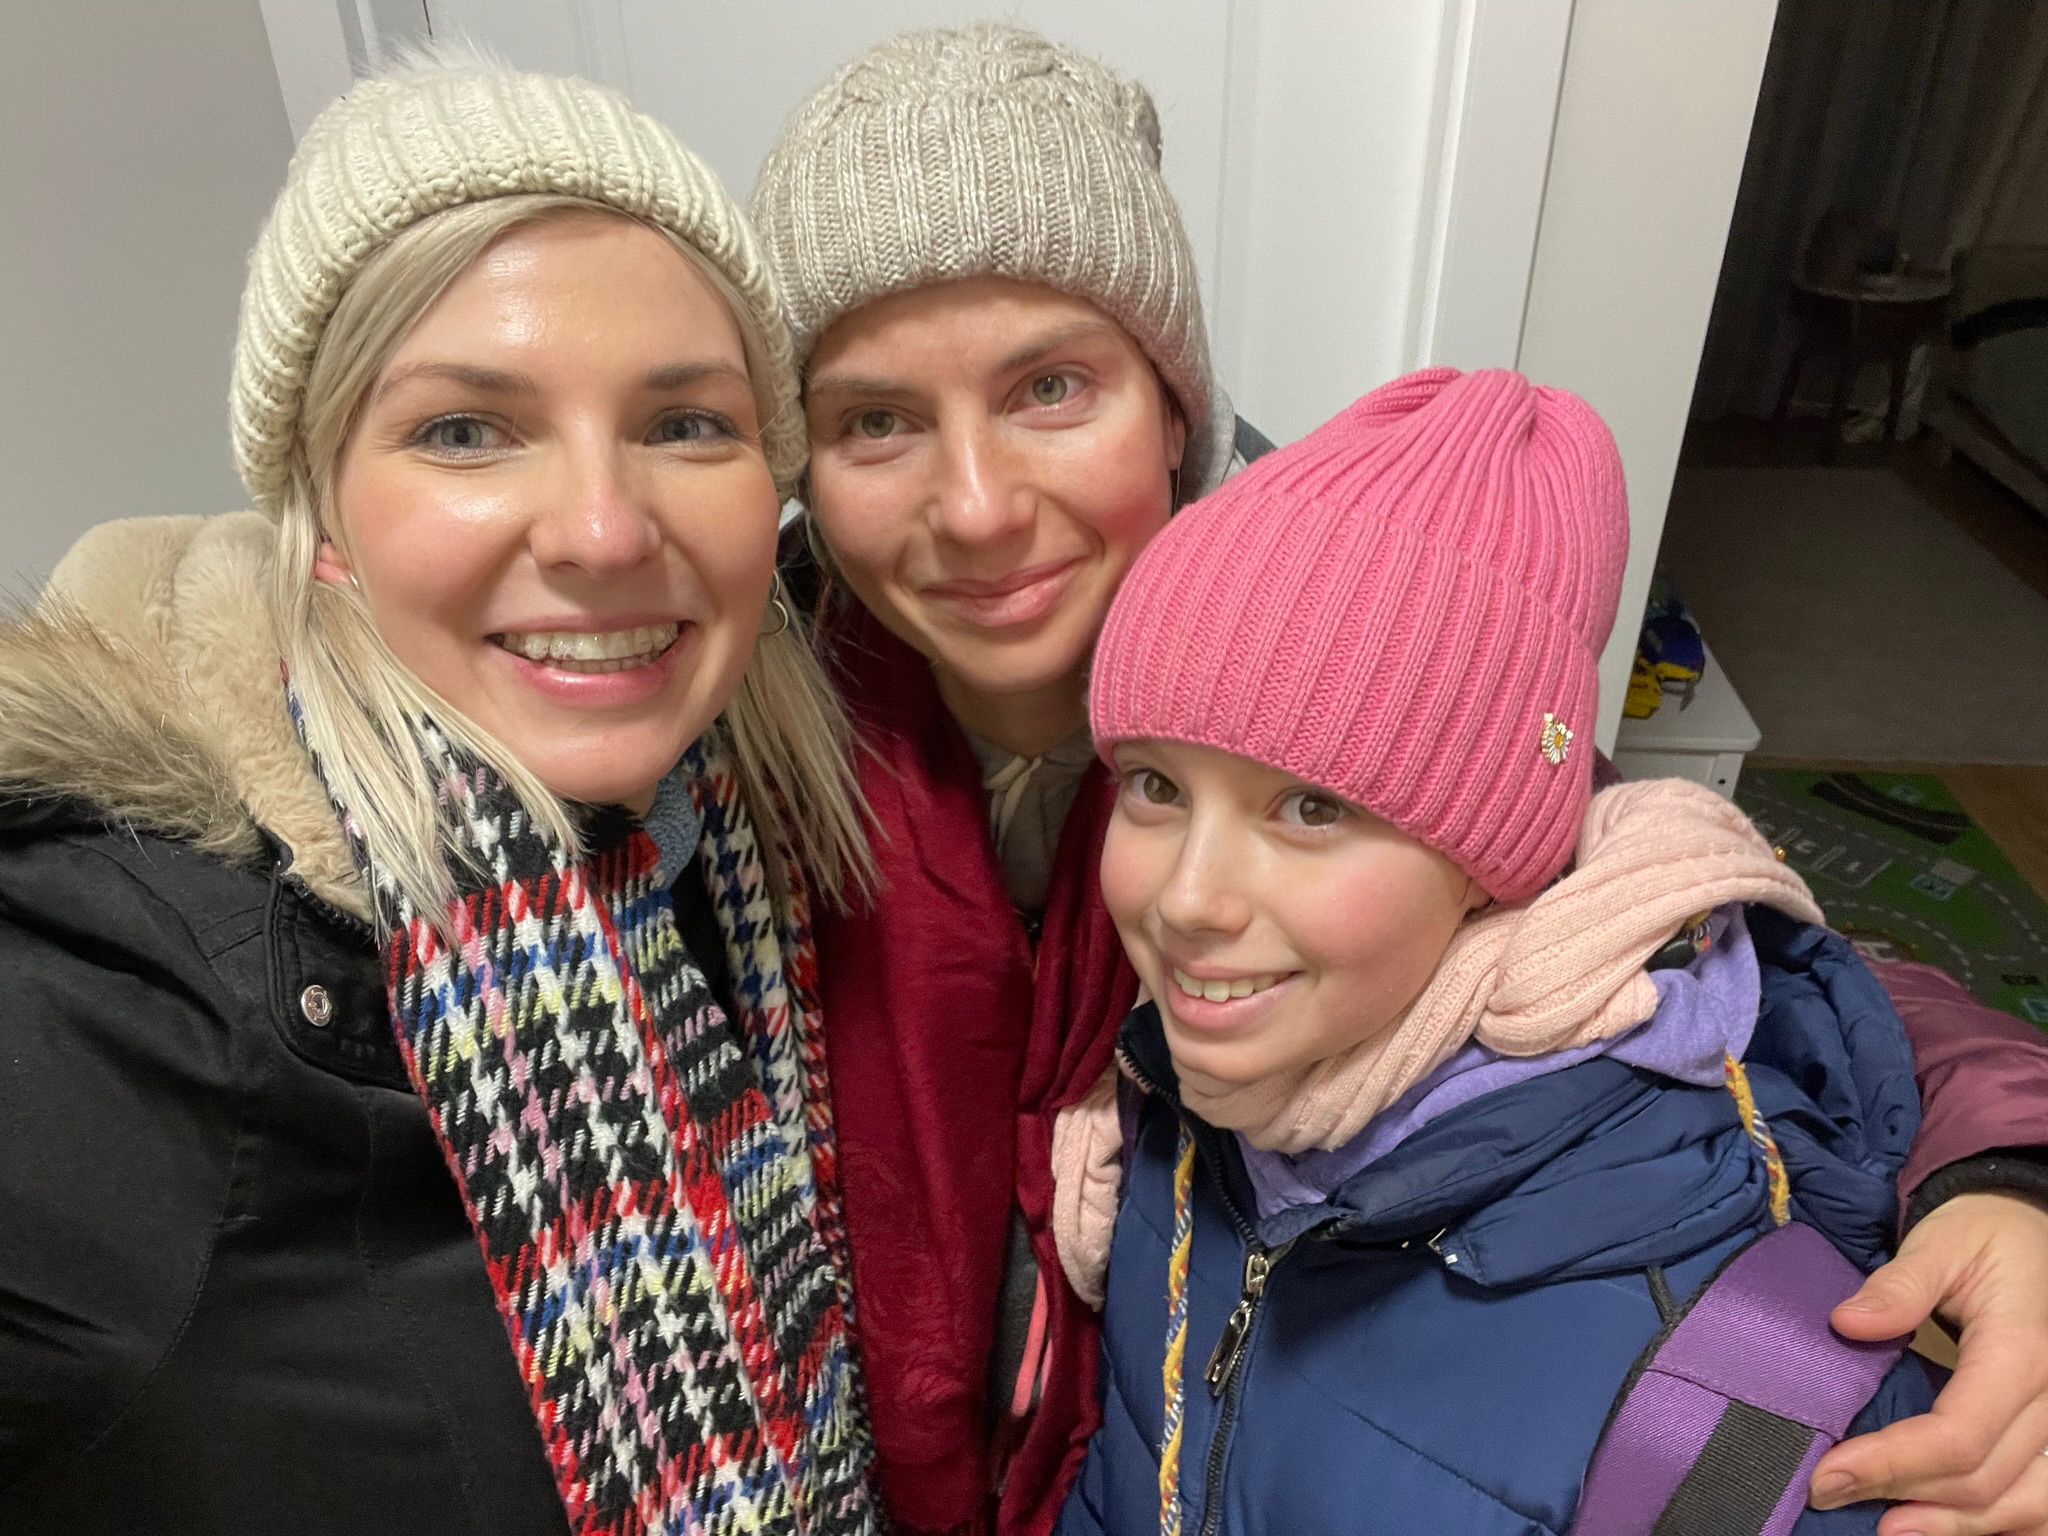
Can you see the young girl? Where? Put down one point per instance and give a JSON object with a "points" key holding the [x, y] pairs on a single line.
{"points": [[1446, 1112]]}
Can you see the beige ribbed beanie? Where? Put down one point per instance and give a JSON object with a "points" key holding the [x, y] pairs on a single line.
{"points": [[442, 129], [989, 150]]}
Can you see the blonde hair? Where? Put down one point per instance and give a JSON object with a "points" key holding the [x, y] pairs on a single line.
{"points": [[361, 708]]}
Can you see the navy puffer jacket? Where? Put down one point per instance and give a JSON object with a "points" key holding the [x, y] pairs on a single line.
{"points": [[1437, 1347]]}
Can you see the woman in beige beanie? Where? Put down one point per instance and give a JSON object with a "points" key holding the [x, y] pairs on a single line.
{"points": [[413, 1114], [1008, 392]]}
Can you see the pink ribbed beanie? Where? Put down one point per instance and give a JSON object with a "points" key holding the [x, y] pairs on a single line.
{"points": [[1406, 607]]}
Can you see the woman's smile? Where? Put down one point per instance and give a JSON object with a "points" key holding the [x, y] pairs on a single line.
{"points": [[597, 669], [1023, 597], [617, 649]]}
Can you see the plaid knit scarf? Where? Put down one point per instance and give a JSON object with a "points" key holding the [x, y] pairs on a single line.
{"points": [[651, 1182]]}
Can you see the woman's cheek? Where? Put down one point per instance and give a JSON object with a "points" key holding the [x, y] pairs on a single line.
{"points": [[853, 514], [1128, 491], [739, 551]]}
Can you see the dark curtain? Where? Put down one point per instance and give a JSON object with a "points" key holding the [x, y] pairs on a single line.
{"points": [[1924, 118]]}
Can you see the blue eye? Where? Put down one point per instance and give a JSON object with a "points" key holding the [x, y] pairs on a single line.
{"points": [[1051, 388], [875, 424], [458, 436]]}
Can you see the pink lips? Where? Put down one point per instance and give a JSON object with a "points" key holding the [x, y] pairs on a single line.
{"points": [[1022, 597], [1235, 1013], [599, 691]]}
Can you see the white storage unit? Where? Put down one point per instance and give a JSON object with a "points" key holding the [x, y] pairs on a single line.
{"points": [[1704, 739]]}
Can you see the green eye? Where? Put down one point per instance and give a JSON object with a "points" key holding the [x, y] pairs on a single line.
{"points": [[1051, 388], [875, 423]]}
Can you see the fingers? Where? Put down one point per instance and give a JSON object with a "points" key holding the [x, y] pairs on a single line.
{"points": [[1981, 1440], [1898, 1298], [2021, 1511], [1973, 1466]]}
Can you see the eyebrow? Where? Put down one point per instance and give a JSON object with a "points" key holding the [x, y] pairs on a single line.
{"points": [[861, 386], [1054, 341], [501, 381], [491, 381], [677, 375]]}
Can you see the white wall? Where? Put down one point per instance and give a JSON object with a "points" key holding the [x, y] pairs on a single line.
{"points": [[140, 145], [1651, 130], [1335, 120]]}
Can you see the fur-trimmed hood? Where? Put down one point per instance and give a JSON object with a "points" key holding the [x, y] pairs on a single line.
{"points": [[146, 685]]}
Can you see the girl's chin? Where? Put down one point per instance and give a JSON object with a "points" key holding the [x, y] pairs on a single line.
{"points": [[1210, 1071]]}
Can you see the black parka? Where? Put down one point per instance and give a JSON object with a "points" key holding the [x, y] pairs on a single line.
{"points": [[238, 1289]]}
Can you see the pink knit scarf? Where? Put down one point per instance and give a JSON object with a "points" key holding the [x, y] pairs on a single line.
{"points": [[1563, 970]]}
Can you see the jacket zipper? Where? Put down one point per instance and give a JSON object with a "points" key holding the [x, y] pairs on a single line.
{"points": [[1258, 1265], [347, 922], [1225, 1373], [1226, 1368]]}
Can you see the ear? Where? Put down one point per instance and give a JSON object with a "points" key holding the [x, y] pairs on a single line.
{"points": [[331, 566], [1176, 422]]}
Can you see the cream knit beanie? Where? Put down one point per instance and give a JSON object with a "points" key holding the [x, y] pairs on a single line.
{"points": [[989, 150], [448, 127]]}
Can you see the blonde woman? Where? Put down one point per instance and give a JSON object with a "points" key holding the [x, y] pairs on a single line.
{"points": [[412, 1114]]}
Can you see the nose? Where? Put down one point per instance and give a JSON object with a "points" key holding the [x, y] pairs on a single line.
{"points": [[597, 517], [981, 497], [1205, 894]]}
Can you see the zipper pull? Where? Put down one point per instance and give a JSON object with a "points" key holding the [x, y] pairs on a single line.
{"points": [[1257, 1265]]}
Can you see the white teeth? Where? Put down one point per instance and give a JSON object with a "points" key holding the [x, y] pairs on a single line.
{"points": [[1222, 991], [580, 650]]}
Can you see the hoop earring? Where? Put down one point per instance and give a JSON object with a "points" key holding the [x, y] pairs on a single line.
{"points": [[1173, 490], [782, 615]]}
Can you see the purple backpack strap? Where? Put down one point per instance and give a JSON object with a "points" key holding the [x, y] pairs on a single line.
{"points": [[1725, 1416]]}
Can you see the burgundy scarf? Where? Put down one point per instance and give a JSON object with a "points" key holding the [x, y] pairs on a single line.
{"points": [[951, 1050]]}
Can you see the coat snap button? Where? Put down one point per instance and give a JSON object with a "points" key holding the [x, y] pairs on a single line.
{"points": [[317, 1006]]}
